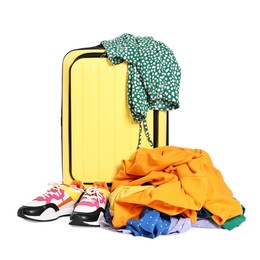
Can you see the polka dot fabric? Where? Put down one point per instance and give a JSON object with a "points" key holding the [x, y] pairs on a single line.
{"points": [[151, 224], [153, 73]]}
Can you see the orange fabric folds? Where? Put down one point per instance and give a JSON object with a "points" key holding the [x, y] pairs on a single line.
{"points": [[183, 181]]}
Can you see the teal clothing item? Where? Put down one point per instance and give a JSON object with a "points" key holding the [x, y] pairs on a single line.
{"points": [[153, 75], [232, 222], [235, 222]]}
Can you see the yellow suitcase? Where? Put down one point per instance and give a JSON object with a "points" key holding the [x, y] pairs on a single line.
{"points": [[98, 131]]}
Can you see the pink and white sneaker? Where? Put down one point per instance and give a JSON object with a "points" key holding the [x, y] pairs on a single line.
{"points": [[91, 206], [57, 202]]}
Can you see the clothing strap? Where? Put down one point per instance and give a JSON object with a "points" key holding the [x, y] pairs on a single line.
{"points": [[146, 133]]}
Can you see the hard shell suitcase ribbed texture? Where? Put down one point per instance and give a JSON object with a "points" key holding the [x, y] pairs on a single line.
{"points": [[98, 131]]}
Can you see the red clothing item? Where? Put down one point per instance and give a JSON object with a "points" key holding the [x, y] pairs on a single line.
{"points": [[184, 181]]}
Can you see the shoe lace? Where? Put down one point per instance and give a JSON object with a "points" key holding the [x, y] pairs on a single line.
{"points": [[53, 190], [92, 193]]}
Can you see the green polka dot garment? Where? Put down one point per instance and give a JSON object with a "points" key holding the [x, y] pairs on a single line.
{"points": [[153, 75]]}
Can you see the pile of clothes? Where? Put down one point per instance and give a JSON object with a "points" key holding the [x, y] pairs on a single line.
{"points": [[159, 191], [168, 190]]}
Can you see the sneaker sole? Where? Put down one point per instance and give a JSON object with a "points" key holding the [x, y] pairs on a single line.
{"points": [[87, 219], [48, 215]]}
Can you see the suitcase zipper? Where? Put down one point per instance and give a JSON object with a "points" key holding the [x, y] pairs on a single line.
{"points": [[90, 55]]}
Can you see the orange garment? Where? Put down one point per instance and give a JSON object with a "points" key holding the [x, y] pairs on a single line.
{"points": [[185, 180]]}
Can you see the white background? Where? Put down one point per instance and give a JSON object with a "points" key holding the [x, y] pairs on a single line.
{"points": [[217, 46]]}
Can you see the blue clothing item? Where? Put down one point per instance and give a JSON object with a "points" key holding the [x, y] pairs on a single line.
{"points": [[151, 224], [179, 225], [204, 221], [107, 214]]}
